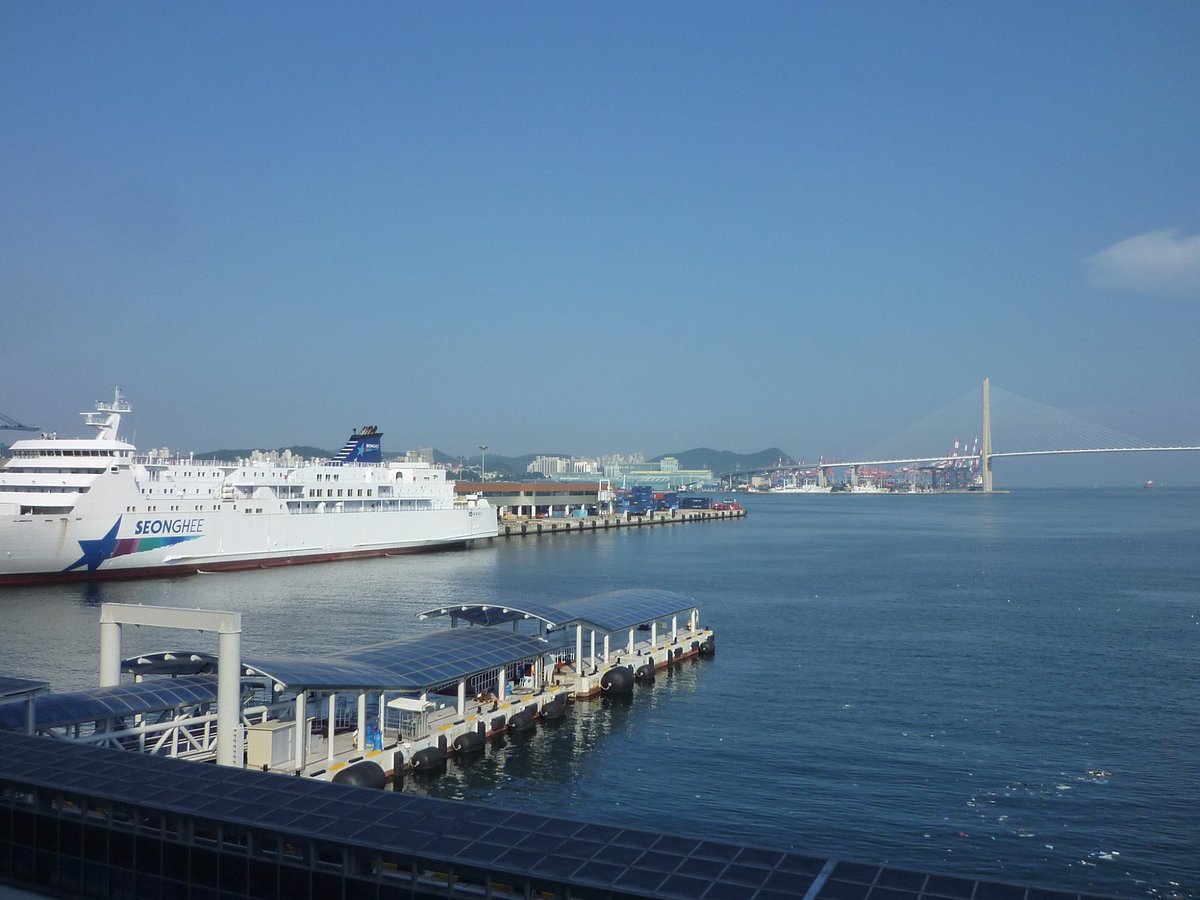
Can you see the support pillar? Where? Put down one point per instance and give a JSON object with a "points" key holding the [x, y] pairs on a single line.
{"points": [[301, 730], [462, 697], [653, 635], [228, 625], [606, 656], [631, 631], [330, 731], [674, 628], [110, 653], [361, 743], [229, 694], [578, 654], [985, 452], [501, 681]]}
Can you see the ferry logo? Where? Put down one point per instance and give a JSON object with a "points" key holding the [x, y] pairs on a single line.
{"points": [[166, 532]]}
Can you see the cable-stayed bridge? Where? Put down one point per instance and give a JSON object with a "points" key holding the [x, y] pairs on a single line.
{"points": [[1015, 426]]}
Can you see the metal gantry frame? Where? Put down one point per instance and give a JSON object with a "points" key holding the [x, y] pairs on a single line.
{"points": [[228, 626]]}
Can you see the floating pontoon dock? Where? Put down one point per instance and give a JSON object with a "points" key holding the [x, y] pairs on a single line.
{"points": [[400, 704]]}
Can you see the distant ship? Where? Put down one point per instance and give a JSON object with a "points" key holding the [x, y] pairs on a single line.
{"points": [[1148, 484], [94, 508]]}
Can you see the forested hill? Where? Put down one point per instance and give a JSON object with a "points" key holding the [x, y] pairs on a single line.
{"points": [[718, 461]]}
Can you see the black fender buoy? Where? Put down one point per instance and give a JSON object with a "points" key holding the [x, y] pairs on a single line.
{"points": [[362, 774], [617, 680], [645, 674], [429, 759], [708, 647], [521, 721], [554, 710], [469, 742]]}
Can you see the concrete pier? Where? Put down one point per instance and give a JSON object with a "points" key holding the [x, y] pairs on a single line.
{"points": [[523, 527]]}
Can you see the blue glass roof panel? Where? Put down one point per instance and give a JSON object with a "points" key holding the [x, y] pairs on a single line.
{"points": [[445, 655], [10, 687], [247, 798], [322, 673], [412, 663], [617, 610], [103, 703]]}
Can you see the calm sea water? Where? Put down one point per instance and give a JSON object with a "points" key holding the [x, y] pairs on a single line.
{"points": [[1001, 686]]}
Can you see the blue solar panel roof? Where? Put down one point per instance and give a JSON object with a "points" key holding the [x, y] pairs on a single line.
{"points": [[436, 657], [102, 703], [10, 687], [412, 663], [574, 857], [617, 610], [325, 673]]}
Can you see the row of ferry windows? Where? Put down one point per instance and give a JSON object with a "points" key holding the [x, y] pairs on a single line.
{"points": [[349, 492], [107, 454]]}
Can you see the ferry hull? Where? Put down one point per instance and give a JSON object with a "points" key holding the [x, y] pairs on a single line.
{"points": [[180, 570]]}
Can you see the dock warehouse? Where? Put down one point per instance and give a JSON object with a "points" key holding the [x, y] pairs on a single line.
{"points": [[542, 498]]}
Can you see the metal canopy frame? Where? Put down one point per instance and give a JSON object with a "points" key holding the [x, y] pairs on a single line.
{"points": [[111, 702], [608, 612], [499, 614]]}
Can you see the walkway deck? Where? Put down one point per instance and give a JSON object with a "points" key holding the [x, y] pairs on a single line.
{"points": [[524, 527]]}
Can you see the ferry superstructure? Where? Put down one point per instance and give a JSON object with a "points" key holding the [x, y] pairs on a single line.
{"points": [[89, 509]]}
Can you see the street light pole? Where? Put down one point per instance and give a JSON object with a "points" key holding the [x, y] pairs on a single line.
{"points": [[483, 462]]}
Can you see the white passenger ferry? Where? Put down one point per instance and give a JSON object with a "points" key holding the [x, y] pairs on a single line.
{"points": [[96, 509]]}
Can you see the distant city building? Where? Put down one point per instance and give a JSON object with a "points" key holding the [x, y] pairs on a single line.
{"points": [[664, 475], [549, 465], [425, 455]]}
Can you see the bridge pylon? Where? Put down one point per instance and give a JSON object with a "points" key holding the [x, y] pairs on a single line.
{"points": [[985, 452]]}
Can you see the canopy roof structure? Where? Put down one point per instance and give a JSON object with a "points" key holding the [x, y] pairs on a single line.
{"points": [[104, 703], [19, 687], [415, 663], [411, 664], [407, 664], [610, 612]]}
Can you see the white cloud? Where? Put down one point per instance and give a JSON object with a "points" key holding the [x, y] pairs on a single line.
{"points": [[1162, 263]]}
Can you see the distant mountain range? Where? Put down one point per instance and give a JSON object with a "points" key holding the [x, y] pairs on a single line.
{"points": [[516, 467]]}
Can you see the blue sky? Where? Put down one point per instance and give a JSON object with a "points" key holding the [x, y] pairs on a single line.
{"points": [[594, 228]]}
